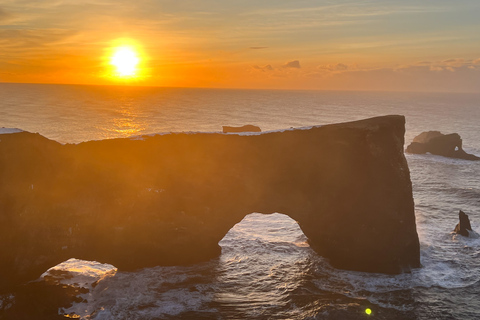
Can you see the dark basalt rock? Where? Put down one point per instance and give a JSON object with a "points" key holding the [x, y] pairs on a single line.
{"points": [[169, 199], [245, 128], [463, 226], [434, 142]]}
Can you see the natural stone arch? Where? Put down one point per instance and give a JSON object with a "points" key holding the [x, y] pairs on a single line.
{"points": [[169, 199]]}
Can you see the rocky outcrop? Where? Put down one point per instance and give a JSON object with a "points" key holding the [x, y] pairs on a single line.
{"points": [[434, 142], [463, 227], [245, 128], [169, 199]]}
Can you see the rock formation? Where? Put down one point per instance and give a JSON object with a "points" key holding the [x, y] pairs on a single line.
{"points": [[169, 199], [245, 128], [434, 142], [463, 227]]}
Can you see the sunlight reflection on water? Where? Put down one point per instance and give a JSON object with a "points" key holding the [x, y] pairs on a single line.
{"points": [[127, 119]]}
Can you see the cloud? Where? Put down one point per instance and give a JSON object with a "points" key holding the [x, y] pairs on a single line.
{"points": [[334, 67], [33, 40], [5, 16], [435, 68], [258, 48], [451, 65], [445, 75], [413, 78], [264, 68], [454, 62], [289, 69], [327, 70], [292, 64]]}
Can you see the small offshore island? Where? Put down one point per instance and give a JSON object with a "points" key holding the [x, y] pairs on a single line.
{"points": [[437, 143], [169, 199]]}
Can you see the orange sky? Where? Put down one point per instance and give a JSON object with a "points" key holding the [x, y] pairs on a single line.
{"points": [[306, 44]]}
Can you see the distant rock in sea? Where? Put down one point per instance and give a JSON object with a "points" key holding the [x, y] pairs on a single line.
{"points": [[245, 128], [434, 142], [463, 227]]}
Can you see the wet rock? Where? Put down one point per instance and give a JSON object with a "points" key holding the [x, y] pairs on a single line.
{"points": [[434, 142], [38, 300], [463, 227]]}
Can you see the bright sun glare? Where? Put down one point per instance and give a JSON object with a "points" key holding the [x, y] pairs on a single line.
{"points": [[125, 60]]}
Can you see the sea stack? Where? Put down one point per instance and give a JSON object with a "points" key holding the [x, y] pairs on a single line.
{"points": [[434, 142], [169, 199], [463, 227]]}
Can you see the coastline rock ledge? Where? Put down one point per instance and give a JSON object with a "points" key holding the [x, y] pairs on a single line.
{"points": [[169, 199]]}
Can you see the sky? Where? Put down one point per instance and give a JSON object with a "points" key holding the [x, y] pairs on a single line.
{"points": [[381, 45]]}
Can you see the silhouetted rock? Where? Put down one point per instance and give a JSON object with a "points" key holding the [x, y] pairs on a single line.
{"points": [[425, 137], [39, 300], [463, 226], [434, 142], [169, 199], [245, 128]]}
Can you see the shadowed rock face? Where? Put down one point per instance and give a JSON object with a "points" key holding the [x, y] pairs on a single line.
{"points": [[434, 142], [169, 199], [463, 225]]}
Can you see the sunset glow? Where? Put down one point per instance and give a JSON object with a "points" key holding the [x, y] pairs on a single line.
{"points": [[314, 44], [125, 61]]}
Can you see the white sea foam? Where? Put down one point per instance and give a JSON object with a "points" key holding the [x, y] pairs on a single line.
{"points": [[271, 131], [144, 136], [9, 130], [145, 294], [473, 234]]}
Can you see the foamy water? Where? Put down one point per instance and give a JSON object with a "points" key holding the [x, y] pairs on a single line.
{"points": [[9, 130], [267, 270]]}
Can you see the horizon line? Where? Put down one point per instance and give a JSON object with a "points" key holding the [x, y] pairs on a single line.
{"points": [[236, 88]]}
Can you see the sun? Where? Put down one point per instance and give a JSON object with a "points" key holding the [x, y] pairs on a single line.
{"points": [[125, 60]]}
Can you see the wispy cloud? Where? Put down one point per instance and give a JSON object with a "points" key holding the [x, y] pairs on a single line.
{"points": [[292, 64], [30, 39], [450, 65], [334, 67], [453, 74], [4, 15], [265, 68], [349, 8]]}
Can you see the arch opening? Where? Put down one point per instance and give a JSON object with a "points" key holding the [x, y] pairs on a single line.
{"points": [[272, 229], [262, 257]]}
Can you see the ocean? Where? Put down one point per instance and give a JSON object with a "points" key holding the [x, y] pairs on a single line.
{"points": [[266, 269]]}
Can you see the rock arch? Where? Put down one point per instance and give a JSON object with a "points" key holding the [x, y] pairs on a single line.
{"points": [[169, 199]]}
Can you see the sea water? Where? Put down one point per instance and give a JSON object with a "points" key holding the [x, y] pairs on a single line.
{"points": [[266, 269]]}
